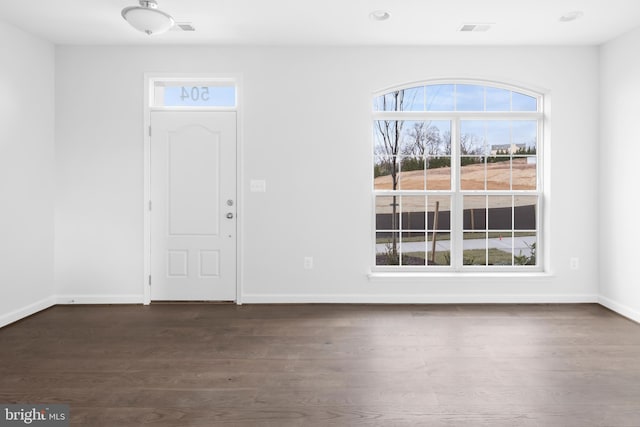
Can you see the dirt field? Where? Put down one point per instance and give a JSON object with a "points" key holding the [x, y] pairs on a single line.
{"points": [[472, 178]]}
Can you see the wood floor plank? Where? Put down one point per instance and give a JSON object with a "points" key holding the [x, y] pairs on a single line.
{"points": [[318, 365]]}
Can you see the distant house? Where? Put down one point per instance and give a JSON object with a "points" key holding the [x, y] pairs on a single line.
{"points": [[507, 148]]}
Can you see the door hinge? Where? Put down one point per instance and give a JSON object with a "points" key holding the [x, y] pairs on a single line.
{"points": [[149, 280], [149, 204], [149, 130]]}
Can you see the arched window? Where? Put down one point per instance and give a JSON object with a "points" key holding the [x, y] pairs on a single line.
{"points": [[457, 177]]}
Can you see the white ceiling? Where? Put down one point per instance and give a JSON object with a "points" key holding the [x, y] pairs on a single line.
{"points": [[331, 22]]}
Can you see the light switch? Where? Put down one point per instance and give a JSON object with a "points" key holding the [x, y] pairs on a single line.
{"points": [[258, 186], [308, 263]]}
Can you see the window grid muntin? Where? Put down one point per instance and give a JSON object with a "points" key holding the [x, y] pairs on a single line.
{"points": [[456, 232], [485, 84], [400, 218], [513, 231]]}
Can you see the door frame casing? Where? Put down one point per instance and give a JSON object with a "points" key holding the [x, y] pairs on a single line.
{"points": [[149, 80]]}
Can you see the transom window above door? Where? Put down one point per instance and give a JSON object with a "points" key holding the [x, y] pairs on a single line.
{"points": [[457, 178], [193, 94]]}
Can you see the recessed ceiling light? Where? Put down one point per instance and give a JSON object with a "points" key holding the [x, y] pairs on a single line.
{"points": [[571, 16], [379, 15]]}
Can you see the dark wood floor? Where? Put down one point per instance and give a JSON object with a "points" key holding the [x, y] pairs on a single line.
{"points": [[317, 365]]}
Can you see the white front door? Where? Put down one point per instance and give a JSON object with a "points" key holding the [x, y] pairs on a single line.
{"points": [[193, 206]]}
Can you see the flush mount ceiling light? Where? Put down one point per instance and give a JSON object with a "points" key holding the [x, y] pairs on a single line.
{"points": [[148, 18], [379, 15], [571, 16]]}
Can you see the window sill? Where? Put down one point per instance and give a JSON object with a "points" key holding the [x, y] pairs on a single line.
{"points": [[410, 276]]}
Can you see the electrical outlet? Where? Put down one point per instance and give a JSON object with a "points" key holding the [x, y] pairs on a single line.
{"points": [[574, 263], [308, 263]]}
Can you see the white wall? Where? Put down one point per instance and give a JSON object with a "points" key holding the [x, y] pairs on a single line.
{"points": [[619, 142], [306, 118], [26, 173]]}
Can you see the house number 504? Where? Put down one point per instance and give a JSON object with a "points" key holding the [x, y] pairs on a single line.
{"points": [[194, 93]]}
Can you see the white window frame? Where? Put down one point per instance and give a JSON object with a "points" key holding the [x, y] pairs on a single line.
{"points": [[455, 117]]}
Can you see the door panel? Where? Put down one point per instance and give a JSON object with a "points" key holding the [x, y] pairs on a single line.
{"points": [[194, 182], [193, 176]]}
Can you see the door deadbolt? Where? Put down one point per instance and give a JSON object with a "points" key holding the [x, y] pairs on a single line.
{"points": [[229, 202]]}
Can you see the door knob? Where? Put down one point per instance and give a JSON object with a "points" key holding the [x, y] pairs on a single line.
{"points": [[229, 215]]}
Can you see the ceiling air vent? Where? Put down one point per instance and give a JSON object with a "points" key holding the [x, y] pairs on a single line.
{"points": [[475, 28], [184, 26]]}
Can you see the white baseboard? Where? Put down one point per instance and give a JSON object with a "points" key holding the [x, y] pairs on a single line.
{"points": [[27, 311], [416, 299], [621, 309], [337, 299], [99, 299]]}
